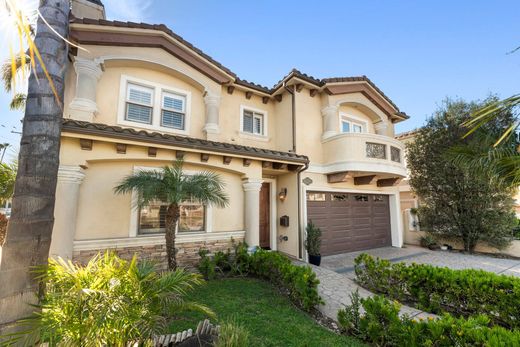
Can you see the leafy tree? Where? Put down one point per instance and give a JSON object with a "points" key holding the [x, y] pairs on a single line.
{"points": [[172, 186], [108, 302], [456, 201], [7, 179]]}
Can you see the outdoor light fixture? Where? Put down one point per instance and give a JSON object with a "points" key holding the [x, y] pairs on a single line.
{"points": [[283, 194]]}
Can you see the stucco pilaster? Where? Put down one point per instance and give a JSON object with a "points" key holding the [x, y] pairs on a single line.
{"points": [[212, 103], [84, 106], [330, 121], [70, 178], [252, 211], [381, 128]]}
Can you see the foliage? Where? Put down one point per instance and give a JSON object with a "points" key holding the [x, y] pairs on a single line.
{"points": [[381, 325], [439, 289], [427, 240], [232, 334], [7, 179], [299, 282], [456, 201], [173, 186], [109, 301], [516, 230], [313, 241], [3, 228], [270, 317]]}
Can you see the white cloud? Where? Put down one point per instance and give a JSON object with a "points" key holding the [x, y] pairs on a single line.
{"points": [[128, 10]]}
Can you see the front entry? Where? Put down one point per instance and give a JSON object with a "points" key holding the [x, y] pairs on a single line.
{"points": [[265, 212]]}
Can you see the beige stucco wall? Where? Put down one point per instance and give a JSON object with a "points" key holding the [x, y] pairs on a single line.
{"points": [[289, 207]]}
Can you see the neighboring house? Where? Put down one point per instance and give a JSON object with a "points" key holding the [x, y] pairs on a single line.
{"points": [[409, 201], [141, 96]]}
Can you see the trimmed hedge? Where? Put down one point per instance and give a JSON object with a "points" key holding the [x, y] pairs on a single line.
{"points": [[299, 282], [382, 326], [439, 289]]}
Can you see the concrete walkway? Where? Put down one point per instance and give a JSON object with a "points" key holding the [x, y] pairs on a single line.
{"points": [[335, 289], [344, 263]]}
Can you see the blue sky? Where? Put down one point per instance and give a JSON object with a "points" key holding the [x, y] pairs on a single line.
{"points": [[417, 52]]}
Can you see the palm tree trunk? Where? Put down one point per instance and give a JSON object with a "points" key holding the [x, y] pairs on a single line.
{"points": [[171, 219], [30, 227]]}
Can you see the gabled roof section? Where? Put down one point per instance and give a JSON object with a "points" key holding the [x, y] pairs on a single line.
{"points": [[130, 134], [185, 51]]}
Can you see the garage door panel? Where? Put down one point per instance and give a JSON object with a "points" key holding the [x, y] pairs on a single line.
{"points": [[350, 222]]}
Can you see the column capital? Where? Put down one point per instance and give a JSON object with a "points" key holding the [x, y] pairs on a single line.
{"points": [[328, 110], [211, 98], [87, 66], [252, 185], [71, 174]]}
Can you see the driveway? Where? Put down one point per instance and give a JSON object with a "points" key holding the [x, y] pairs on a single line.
{"points": [[344, 263]]}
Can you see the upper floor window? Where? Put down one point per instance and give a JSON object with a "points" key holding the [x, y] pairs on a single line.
{"points": [[139, 103], [253, 122], [153, 106], [173, 110], [349, 125]]}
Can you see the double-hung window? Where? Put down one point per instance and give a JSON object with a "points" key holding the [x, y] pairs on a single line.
{"points": [[350, 126], [173, 111], [139, 103], [253, 122]]}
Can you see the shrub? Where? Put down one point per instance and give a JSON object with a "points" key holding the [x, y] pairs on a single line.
{"points": [[382, 326], [232, 334], [299, 282], [427, 241], [313, 241], [439, 289], [109, 301]]}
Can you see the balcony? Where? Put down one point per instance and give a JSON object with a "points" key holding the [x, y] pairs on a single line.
{"points": [[358, 154]]}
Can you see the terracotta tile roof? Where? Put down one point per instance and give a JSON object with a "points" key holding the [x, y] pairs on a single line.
{"points": [[407, 134], [98, 129], [293, 73]]}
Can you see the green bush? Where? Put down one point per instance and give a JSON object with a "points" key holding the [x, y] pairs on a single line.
{"points": [[313, 240], [299, 282], [439, 289], [381, 325], [109, 302]]}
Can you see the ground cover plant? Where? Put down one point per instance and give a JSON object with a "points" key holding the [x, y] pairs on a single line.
{"points": [[434, 289], [381, 325], [270, 318], [298, 282]]}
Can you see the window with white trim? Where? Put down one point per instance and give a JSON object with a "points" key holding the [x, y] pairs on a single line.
{"points": [[173, 110], [253, 122], [139, 103], [350, 126], [152, 218]]}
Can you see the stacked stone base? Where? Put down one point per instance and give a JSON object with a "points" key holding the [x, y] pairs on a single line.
{"points": [[187, 252]]}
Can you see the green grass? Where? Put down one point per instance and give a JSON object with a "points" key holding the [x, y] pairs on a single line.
{"points": [[270, 318]]}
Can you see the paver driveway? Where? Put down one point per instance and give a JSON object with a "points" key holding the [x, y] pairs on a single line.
{"points": [[344, 263]]}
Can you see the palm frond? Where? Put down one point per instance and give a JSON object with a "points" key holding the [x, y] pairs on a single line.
{"points": [[18, 64], [18, 101], [149, 186], [206, 188]]}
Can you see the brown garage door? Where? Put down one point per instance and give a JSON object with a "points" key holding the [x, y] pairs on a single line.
{"points": [[350, 222]]}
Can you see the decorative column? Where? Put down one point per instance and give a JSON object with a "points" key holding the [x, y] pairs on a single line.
{"points": [[83, 106], [66, 210], [330, 121], [252, 211], [212, 102], [381, 127]]}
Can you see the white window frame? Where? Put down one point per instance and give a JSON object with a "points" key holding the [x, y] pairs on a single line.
{"points": [[265, 124], [134, 214], [158, 91], [352, 120], [141, 87], [163, 108]]}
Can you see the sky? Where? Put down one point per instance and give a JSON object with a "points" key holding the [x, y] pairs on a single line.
{"points": [[417, 52]]}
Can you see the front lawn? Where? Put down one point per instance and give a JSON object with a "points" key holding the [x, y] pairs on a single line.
{"points": [[270, 318]]}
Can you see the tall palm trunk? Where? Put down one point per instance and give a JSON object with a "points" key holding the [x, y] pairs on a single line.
{"points": [[30, 227], [171, 219]]}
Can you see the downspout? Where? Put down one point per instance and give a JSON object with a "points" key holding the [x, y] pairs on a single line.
{"points": [[293, 119]]}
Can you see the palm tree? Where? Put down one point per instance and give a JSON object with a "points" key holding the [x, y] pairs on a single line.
{"points": [[22, 67], [172, 186], [30, 227]]}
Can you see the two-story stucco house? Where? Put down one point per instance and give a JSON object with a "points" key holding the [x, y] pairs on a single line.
{"points": [[140, 96]]}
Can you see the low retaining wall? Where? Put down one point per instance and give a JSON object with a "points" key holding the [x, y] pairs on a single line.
{"points": [[187, 252]]}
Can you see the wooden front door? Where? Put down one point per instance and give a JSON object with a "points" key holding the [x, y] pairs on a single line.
{"points": [[265, 225]]}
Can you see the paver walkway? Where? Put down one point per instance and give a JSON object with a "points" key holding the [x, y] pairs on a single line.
{"points": [[344, 263], [335, 289]]}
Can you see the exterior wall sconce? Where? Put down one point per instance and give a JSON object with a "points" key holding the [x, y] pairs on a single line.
{"points": [[283, 194]]}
